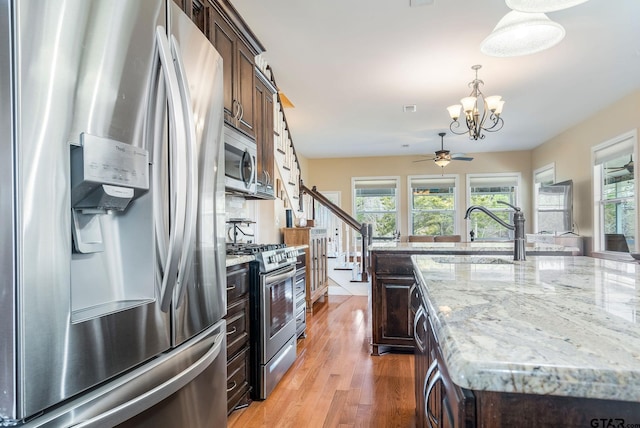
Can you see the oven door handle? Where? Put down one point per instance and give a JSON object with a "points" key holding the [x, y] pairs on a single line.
{"points": [[282, 276]]}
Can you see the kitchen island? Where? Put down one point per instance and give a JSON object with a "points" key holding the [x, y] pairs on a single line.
{"points": [[547, 341], [393, 281]]}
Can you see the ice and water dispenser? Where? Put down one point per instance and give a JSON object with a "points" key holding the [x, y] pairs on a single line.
{"points": [[112, 260], [106, 175]]}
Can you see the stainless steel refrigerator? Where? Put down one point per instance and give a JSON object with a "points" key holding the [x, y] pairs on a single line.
{"points": [[111, 216]]}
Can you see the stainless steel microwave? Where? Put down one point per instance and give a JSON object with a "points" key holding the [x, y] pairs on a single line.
{"points": [[240, 162]]}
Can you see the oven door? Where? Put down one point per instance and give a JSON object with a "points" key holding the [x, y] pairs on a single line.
{"points": [[277, 310]]}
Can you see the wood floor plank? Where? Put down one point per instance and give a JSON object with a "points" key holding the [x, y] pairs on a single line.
{"points": [[335, 382]]}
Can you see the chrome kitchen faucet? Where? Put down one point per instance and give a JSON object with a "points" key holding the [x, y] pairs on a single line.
{"points": [[517, 226]]}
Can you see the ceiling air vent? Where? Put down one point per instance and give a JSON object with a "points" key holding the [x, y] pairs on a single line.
{"points": [[409, 108]]}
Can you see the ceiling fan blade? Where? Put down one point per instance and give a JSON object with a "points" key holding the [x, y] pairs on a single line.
{"points": [[422, 160], [461, 156]]}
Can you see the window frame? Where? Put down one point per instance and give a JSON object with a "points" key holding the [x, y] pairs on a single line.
{"points": [[536, 188], [597, 191], [498, 175], [456, 199], [395, 178]]}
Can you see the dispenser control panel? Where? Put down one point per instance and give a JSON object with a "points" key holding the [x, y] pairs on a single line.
{"points": [[99, 161]]}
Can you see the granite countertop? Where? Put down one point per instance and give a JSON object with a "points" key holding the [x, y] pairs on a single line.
{"points": [[550, 325], [238, 260], [506, 248]]}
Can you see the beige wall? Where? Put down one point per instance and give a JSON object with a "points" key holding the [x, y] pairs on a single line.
{"points": [[571, 152], [334, 174]]}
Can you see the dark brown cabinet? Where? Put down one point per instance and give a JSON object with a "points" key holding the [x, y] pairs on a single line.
{"points": [[317, 279], [238, 69], [238, 46], [439, 402], [238, 329], [391, 288], [265, 91]]}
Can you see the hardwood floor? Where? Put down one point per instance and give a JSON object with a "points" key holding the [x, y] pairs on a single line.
{"points": [[335, 382]]}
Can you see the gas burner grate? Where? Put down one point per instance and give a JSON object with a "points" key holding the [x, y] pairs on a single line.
{"points": [[251, 249]]}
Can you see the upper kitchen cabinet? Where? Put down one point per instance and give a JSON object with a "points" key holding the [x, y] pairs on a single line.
{"points": [[264, 96], [200, 12], [238, 47]]}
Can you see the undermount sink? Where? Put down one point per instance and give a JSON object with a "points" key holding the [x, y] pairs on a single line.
{"points": [[474, 260]]}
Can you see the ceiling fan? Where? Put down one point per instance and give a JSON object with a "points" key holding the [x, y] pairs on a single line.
{"points": [[443, 157], [627, 166]]}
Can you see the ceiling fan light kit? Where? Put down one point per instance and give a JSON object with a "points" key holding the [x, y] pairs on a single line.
{"points": [[522, 33], [542, 5], [444, 157], [480, 113]]}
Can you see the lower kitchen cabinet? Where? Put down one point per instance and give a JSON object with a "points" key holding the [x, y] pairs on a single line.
{"points": [[317, 275], [300, 292], [238, 329], [391, 286], [439, 402]]}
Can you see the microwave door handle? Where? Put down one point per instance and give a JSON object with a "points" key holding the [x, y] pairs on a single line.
{"points": [[246, 180], [191, 173], [254, 173], [177, 118]]}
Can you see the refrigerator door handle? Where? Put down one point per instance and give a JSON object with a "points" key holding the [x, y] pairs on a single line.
{"points": [[191, 174], [150, 398], [177, 118]]}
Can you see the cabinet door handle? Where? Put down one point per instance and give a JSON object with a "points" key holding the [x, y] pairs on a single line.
{"points": [[233, 386], [233, 287], [233, 330], [416, 321], [235, 107], [240, 112], [432, 420]]}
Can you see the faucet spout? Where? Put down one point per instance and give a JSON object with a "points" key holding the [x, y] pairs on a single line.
{"points": [[490, 214], [519, 252]]}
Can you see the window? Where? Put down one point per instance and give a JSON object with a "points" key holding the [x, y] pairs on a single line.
{"points": [[541, 177], [376, 202], [432, 202], [487, 190], [615, 221]]}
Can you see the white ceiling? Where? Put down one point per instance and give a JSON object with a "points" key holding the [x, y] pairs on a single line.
{"points": [[350, 66]]}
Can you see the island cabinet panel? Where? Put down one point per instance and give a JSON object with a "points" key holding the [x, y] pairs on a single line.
{"points": [[439, 402], [442, 403], [392, 287], [238, 330], [499, 409], [317, 278]]}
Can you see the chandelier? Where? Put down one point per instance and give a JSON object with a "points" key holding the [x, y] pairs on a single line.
{"points": [[481, 113]]}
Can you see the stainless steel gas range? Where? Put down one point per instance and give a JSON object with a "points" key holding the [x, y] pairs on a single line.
{"points": [[272, 307]]}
